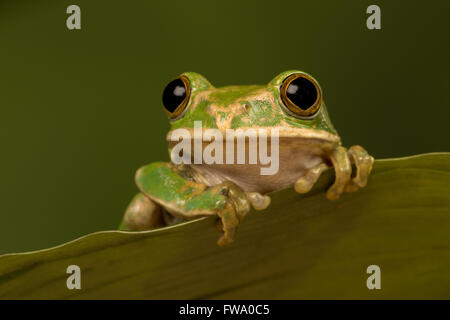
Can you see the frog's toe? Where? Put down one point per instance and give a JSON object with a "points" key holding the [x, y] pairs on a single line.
{"points": [[237, 197], [258, 201], [363, 162], [307, 181], [343, 170], [229, 222]]}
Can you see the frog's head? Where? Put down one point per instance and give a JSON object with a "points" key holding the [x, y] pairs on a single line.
{"points": [[292, 102]]}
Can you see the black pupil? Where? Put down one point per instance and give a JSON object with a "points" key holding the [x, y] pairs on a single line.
{"points": [[302, 93], [174, 94]]}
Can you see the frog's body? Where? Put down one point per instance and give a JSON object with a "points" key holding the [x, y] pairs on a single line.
{"points": [[308, 144]]}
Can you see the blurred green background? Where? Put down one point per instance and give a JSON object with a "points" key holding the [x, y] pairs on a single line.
{"points": [[81, 110]]}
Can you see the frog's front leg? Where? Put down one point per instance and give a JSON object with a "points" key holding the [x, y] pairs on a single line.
{"points": [[341, 160], [173, 188], [342, 170], [363, 162]]}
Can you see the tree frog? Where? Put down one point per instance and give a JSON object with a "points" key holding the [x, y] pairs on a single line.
{"points": [[307, 144]]}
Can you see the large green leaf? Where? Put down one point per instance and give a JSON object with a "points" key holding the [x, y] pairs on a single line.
{"points": [[301, 247]]}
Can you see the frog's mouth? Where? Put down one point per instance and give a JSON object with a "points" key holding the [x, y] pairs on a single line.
{"points": [[287, 137], [301, 135]]}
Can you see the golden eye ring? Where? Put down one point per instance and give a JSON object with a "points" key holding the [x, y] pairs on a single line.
{"points": [[176, 97], [301, 95]]}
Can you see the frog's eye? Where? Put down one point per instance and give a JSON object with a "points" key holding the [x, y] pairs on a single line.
{"points": [[301, 95], [176, 96]]}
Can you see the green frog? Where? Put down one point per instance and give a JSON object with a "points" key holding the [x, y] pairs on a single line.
{"points": [[289, 113]]}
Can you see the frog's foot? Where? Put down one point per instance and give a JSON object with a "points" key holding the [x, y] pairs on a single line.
{"points": [[343, 171], [341, 160], [258, 201], [231, 215], [306, 182], [142, 214], [363, 162], [236, 208]]}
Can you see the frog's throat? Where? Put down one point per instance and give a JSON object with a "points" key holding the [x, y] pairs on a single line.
{"points": [[282, 132]]}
